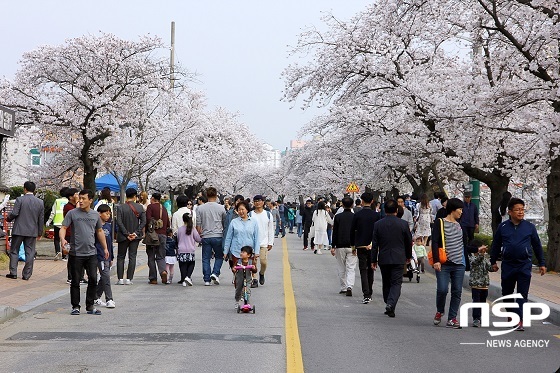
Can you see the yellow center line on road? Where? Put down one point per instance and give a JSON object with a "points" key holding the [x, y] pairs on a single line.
{"points": [[294, 360]]}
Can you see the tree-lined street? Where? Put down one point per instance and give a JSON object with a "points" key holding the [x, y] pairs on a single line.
{"points": [[172, 328]]}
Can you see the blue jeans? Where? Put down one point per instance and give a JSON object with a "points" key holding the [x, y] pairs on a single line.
{"points": [[284, 226], [277, 230], [299, 229], [454, 273], [329, 235], [210, 245]]}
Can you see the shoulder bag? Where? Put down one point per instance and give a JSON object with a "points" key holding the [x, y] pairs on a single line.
{"points": [[441, 250], [151, 237], [133, 210], [159, 222]]}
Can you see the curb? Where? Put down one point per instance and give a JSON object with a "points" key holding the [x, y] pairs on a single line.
{"points": [[7, 313]]}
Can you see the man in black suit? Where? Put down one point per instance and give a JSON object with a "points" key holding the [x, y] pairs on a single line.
{"points": [[392, 249], [360, 237], [28, 216]]}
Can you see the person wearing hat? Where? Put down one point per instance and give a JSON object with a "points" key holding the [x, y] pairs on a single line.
{"points": [[469, 221], [266, 235]]}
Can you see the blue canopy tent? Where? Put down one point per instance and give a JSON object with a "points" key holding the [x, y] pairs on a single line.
{"points": [[110, 182]]}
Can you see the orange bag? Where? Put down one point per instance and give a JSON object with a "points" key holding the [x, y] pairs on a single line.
{"points": [[441, 251]]}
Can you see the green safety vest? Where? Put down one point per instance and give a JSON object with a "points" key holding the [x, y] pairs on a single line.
{"points": [[59, 209]]}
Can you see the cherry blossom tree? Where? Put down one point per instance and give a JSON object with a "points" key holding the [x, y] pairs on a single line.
{"points": [[217, 152], [521, 41], [390, 67], [161, 131], [85, 91]]}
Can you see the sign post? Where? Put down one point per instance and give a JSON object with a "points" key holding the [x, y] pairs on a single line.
{"points": [[352, 188]]}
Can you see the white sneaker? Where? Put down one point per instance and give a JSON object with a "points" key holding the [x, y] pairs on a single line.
{"points": [[58, 256], [207, 283], [120, 282], [184, 283], [319, 252], [127, 282], [99, 302], [215, 279], [188, 281], [111, 304]]}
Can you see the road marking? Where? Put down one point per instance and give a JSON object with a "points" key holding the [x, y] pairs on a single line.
{"points": [[557, 335], [144, 337], [294, 360]]}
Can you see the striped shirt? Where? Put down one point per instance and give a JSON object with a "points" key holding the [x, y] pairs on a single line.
{"points": [[453, 242]]}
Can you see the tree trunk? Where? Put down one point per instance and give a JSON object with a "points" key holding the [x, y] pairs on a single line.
{"points": [[438, 178], [498, 184], [553, 200], [122, 192], [497, 191], [392, 194], [421, 182], [90, 173]]}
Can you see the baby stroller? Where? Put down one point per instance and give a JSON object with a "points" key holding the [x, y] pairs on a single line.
{"points": [[412, 268], [246, 307]]}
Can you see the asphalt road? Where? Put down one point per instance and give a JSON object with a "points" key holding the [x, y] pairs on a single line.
{"points": [[169, 328]]}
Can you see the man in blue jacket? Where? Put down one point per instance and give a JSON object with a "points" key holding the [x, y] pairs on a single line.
{"points": [[517, 240]]}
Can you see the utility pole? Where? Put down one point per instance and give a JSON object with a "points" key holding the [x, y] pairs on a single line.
{"points": [[172, 60]]}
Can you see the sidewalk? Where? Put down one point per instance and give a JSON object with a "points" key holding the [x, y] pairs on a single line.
{"points": [[48, 282]]}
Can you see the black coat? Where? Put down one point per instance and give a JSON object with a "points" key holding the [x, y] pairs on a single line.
{"points": [[306, 215], [362, 226], [392, 241]]}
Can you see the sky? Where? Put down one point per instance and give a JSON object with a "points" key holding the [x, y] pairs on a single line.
{"points": [[238, 49]]}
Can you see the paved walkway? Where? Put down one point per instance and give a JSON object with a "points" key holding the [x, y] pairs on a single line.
{"points": [[48, 277], [49, 281]]}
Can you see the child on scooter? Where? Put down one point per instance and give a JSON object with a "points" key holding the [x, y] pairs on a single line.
{"points": [[245, 259]]}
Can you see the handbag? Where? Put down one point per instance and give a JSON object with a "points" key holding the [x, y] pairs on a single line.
{"points": [[151, 238], [441, 250]]}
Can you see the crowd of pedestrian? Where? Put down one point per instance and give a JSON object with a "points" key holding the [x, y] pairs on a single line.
{"points": [[396, 236]]}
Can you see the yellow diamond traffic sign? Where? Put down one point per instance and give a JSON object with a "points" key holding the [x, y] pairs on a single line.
{"points": [[352, 188]]}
